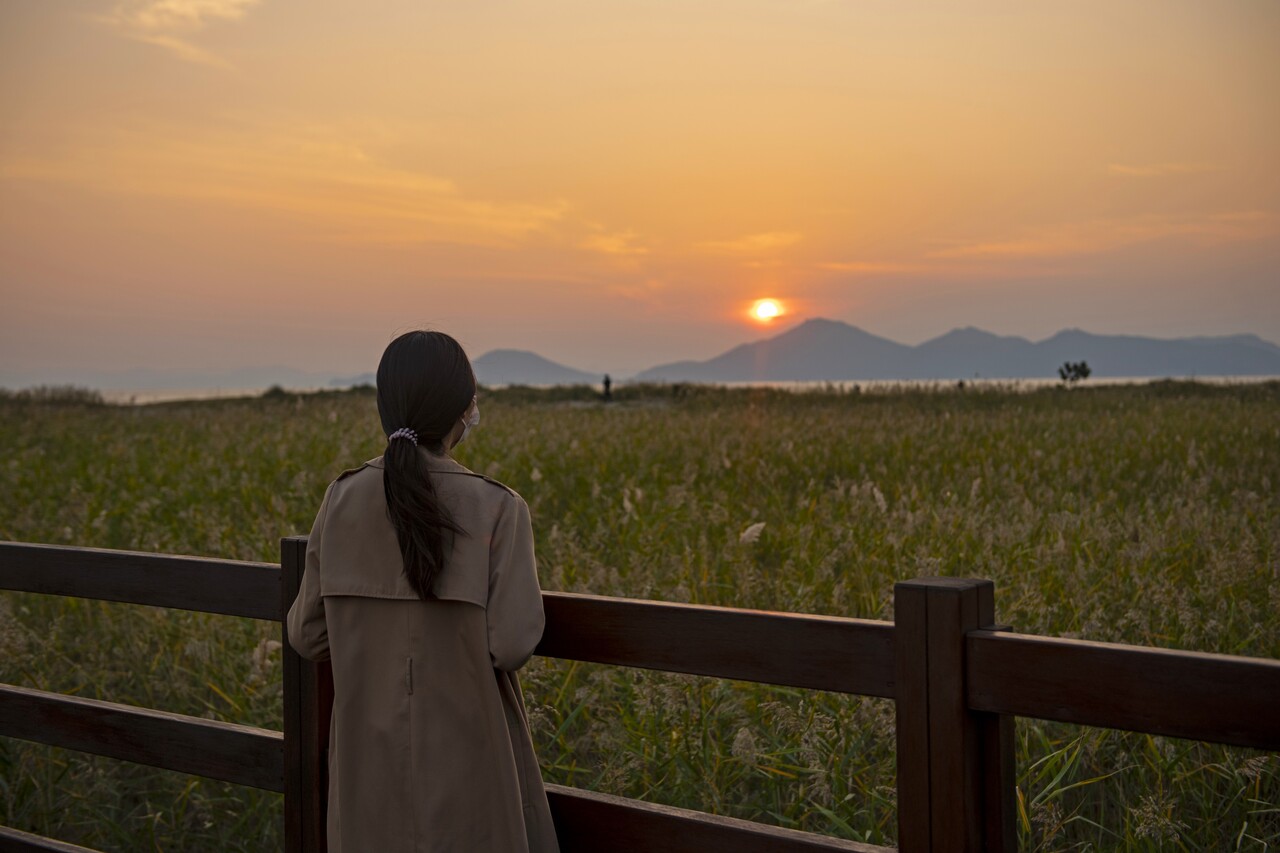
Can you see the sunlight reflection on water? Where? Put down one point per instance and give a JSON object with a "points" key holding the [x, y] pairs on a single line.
{"points": [[125, 396]]}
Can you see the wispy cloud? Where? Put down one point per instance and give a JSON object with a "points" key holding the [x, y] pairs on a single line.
{"points": [[1159, 170], [752, 243], [875, 267], [615, 243], [648, 291], [171, 23], [322, 177], [1092, 237]]}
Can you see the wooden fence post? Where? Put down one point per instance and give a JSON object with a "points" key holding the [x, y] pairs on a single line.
{"points": [[308, 702], [955, 767], [999, 769]]}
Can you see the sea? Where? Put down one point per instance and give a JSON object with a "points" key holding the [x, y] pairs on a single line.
{"points": [[126, 396]]}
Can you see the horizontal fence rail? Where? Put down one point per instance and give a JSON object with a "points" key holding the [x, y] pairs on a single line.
{"points": [[1193, 695], [795, 650], [229, 587], [584, 818], [957, 679], [244, 755], [17, 841]]}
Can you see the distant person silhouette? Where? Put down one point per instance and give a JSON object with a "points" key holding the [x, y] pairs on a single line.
{"points": [[608, 386]]}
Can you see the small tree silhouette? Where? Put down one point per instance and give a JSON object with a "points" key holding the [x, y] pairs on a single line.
{"points": [[1072, 372]]}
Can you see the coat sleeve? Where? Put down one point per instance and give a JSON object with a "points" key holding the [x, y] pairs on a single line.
{"points": [[308, 631], [514, 611]]}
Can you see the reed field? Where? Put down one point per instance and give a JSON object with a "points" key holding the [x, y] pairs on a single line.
{"points": [[1137, 514]]}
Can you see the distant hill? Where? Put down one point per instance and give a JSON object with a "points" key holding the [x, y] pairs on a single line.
{"points": [[508, 367], [818, 350], [159, 379], [963, 353], [352, 381], [813, 351], [1123, 355], [520, 367]]}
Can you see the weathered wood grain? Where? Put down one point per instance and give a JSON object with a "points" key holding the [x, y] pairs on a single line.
{"points": [[1207, 697], [816, 652], [587, 822], [999, 764], [230, 587], [241, 754], [955, 765], [16, 841], [957, 682], [308, 704], [911, 631]]}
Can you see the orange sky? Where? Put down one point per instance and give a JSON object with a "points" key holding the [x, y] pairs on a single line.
{"points": [[219, 183]]}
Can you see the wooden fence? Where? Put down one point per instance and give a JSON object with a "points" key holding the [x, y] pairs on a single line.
{"points": [[957, 679]]}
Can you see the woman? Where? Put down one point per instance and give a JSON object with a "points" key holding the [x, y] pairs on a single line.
{"points": [[420, 586]]}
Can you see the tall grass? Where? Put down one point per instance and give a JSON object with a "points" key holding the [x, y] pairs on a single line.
{"points": [[1145, 515]]}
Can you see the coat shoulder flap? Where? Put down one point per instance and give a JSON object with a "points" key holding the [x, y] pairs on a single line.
{"points": [[484, 477], [347, 473], [466, 573]]}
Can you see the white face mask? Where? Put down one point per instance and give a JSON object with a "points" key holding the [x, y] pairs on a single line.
{"points": [[470, 422]]}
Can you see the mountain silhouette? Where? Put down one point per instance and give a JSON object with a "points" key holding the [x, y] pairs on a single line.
{"points": [[1125, 355], [520, 367], [979, 352], [815, 350], [818, 350]]}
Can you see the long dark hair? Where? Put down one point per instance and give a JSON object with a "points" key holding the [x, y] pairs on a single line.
{"points": [[425, 383]]}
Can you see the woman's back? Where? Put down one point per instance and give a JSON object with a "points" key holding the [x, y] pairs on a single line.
{"points": [[429, 747]]}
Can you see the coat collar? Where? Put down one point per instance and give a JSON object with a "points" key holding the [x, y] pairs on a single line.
{"points": [[435, 462]]}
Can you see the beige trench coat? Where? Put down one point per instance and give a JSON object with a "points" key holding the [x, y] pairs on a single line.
{"points": [[429, 747]]}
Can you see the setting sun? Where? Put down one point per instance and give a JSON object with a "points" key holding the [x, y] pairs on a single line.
{"points": [[765, 310], [541, 176]]}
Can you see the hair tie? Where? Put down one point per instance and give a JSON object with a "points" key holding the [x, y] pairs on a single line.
{"points": [[404, 432]]}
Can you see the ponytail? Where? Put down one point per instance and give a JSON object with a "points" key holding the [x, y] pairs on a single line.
{"points": [[415, 511], [425, 384]]}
